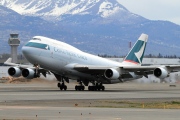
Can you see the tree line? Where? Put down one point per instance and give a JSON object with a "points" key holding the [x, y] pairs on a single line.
{"points": [[145, 56]]}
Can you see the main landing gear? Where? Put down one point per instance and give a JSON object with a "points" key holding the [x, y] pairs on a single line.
{"points": [[62, 86], [95, 87], [80, 87]]}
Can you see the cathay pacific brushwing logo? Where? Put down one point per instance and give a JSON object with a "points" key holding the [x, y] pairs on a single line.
{"points": [[47, 47], [140, 53]]}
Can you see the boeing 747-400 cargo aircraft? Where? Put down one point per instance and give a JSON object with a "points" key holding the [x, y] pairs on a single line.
{"points": [[67, 62]]}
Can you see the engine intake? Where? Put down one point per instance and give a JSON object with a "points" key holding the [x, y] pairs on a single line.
{"points": [[161, 73], [28, 73], [14, 71], [111, 74]]}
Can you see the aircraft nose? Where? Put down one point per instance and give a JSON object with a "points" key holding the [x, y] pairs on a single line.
{"points": [[27, 52], [24, 50], [31, 54]]}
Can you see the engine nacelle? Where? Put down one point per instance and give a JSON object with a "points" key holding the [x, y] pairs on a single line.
{"points": [[111, 74], [28, 73], [161, 72], [14, 71]]}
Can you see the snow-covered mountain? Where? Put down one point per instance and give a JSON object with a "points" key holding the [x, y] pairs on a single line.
{"points": [[55, 9], [104, 8], [95, 26]]}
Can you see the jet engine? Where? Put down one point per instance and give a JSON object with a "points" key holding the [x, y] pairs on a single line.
{"points": [[111, 74], [14, 71], [161, 72], [28, 73]]}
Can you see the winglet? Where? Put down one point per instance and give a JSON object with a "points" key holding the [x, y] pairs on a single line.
{"points": [[136, 54]]}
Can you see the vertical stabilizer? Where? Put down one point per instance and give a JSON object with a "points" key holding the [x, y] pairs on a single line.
{"points": [[136, 54]]}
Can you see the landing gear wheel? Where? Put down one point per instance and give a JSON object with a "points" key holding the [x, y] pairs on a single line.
{"points": [[79, 88], [62, 86], [95, 88], [65, 87], [92, 88], [98, 88], [58, 85], [76, 87], [103, 88]]}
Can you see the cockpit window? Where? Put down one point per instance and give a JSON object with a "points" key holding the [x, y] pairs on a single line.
{"points": [[38, 45], [37, 39]]}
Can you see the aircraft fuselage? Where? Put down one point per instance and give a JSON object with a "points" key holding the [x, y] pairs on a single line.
{"points": [[58, 57]]}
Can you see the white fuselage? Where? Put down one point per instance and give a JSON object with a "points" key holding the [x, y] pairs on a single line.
{"points": [[58, 56]]}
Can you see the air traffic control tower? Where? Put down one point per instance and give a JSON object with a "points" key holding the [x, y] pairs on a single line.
{"points": [[14, 42]]}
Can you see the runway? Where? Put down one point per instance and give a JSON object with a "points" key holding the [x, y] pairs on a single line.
{"points": [[46, 101], [71, 113]]}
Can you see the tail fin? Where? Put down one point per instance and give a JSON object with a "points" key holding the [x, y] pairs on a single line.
{"points": [[136, 54]]}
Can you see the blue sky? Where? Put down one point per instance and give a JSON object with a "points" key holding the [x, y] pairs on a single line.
{"points": [[155, 9]]}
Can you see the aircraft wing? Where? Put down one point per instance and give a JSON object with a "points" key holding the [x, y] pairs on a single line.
{"points": [[23, 66], [135, 68], [138, 70], [9, 63], [91, 69]]}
